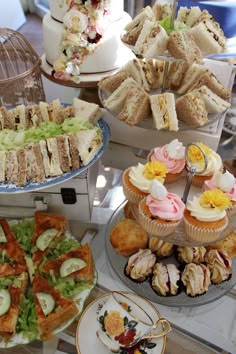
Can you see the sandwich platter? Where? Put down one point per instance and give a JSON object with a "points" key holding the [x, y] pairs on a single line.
{"points": [[30, 330], [118, 263], [33, 186], [149, 123]]}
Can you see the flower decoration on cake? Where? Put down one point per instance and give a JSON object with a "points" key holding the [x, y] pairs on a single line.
{"points": [[205, 216], [84, 26], [136, 179], [160, 212], [226, 182], [196, 159], [173, 156]]}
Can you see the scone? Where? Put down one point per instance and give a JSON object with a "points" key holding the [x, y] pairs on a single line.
{"points": [[165, 279], [196, 279], [140, 265], [219, 264], [127, 237]]}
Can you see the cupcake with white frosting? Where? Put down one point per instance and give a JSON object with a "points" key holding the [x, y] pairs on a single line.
{"points": [[196, 279], [165, 279], [226, 182], [160, 212], [205, 216], [173, 156], [140, 265], [136, 179], [219, 264], [196, 159]]}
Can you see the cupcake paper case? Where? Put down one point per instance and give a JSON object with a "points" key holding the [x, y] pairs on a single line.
{"points": [[173, 156], [205, 216], [136, 179], [160, 212]]}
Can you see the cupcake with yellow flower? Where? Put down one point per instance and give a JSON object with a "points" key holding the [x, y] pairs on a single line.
{"points": [[205, 216], [173, 156], [196, 159], [136, 179], [226, 182], [160, 212]]}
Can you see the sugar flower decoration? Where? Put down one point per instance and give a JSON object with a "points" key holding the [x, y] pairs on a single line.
{"points": [[195, 154], [215, 198], [155, 169]]}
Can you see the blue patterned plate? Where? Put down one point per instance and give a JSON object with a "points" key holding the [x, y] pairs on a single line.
{"points": [[49, 182]]}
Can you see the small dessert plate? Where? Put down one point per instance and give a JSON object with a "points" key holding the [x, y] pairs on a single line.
{"points": [[88, 325]]}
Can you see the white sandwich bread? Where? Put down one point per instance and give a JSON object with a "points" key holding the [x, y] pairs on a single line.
{"points": [[163, 111], [209, 37], [189, 16], [134, 68], [191, 76], [134, 27], [213, 103], [88, 110], [152, 40]]}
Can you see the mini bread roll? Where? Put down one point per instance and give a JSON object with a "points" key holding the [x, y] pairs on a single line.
{"points": [[127, 237]]}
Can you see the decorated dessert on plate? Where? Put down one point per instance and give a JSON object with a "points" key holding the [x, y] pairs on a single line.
{"points": [[36, 303], [195, 254], [226, 182], [160, 212], [219, 264], [140, 265], [165, 279], [196, 279], [136, 179], [173, 156], [205, 216], [162, 249]]}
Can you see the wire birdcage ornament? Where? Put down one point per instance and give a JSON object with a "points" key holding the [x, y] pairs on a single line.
{"points": [[20, 75]]}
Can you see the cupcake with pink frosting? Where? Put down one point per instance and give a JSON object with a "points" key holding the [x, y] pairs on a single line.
{"points": [[226, 182], [160, 212], [173, 156]]}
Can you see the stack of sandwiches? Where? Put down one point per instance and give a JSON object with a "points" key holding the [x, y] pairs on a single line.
{"points": [[150, 32], [31, 287], [49, 156], [148, 73]]}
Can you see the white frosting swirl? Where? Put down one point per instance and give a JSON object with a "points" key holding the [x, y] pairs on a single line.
{"points": [[214, 164], [204, 214], [137, 178]]}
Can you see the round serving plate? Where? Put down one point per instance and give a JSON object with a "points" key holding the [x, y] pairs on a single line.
{"points": [[118, 263], [149, 124], [6, 188], [92, 344]]}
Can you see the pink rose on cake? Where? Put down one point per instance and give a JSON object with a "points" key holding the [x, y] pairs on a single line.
{"points": [[160, 212], [173, 156], [226, 182]]}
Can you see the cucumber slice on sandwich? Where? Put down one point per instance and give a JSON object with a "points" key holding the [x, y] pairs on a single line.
{"points": [[46, 301], [45, 238], [71, 265], [5, 301]]}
